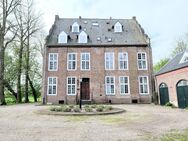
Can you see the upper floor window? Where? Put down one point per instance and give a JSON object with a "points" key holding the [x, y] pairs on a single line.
{"points": [[123, 60], [143, 85], [75, 27], [85, 61], [142, 61], [71, 61], [124, 84], [62, 38], [118, 27], [52, 62], [52, 85], [71, 85], [109, 61], [110, 85], [184, 58], [82, 38]]}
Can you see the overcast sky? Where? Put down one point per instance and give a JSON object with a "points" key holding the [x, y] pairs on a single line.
{"points": [[165, 21]]}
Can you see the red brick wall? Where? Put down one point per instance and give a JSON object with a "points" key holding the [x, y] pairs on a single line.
{"points": [[171, 79], [97, 73]]}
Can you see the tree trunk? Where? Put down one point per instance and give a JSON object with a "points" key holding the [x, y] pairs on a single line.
{"points": [[9, 88], [33, 89], [19, 99]]}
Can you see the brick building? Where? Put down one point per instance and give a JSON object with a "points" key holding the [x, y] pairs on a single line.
{"points": [[99, 60], [172, 81]]}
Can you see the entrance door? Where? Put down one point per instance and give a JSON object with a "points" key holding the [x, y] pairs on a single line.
{"points": [[164, 96], [85, 92], [182, 94]]}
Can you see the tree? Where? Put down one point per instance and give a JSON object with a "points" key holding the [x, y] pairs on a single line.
{"points": [[181, 46], [160, 64], [6, 25]]}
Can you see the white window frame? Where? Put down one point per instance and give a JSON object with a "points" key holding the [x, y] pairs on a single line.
{"points": [[184, 58], [53, 61], [62, 38], [72, 85], [124, 60], [142, 61], [108, 53], [52, 86], [106, 85], [143, 84], [124, 84], [118, 28], [75, 25], [82, 37], [71, 61], [84, 69]]}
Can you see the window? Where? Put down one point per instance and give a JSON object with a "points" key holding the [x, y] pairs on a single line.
{"points": [[82, 38], [109, 61], [123, 61], [118, 27], [142, 61], [53, 62], [71, 85], [52, 85], [184, 58], [75, 27], [110, 85], [124, 84], [143, 85], [71, 64], [62, 37], [85, 61]]}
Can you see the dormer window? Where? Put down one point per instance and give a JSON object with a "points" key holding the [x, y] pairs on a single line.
{"points": [[118, 27], [184, 58], [62, 37], [75, 27], [82, 38]]}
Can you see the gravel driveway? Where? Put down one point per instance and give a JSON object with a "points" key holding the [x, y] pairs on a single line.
{"points": [[21, 123]]}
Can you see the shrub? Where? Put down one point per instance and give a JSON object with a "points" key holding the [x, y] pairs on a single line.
{"points": [[93, 106], [86, 106], [100, 108], [71, 106], [108, 108], [52, 108], [66, 109], [89, 109], [58, 109], [76, 109], [169, 104]]}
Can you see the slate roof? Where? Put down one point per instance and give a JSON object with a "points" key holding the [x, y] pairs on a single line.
{"points": [[173, 64], [132, 34]]}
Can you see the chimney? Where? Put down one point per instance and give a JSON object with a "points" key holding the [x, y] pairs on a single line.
{"points": [[134, 18], [80, 17], [56, 17], [110, 17]]}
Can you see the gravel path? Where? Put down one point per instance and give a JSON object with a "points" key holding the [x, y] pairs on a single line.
{"points": [[21, 123]]}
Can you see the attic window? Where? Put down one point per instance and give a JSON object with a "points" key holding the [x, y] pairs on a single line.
{"points": [[98, 38], [62, 38], [184, 58], [117, 27], [75, 27], [109, 39], [82, 38]]}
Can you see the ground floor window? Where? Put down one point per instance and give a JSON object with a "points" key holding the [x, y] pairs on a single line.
{"points": [[110, 85], [52, 85], [71, 85], [124, 84], [143, 85]]}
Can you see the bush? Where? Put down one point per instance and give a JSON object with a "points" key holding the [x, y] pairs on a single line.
{"points": [[71, 106], [100, 108], [108, 108], [86, 106], [89, 109], [76, 109], [169, 104], [93, 106], [66, 109], [58, 109], [52, 108]]}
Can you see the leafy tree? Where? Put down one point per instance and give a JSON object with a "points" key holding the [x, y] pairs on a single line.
{"points": [[181, 46], [160, 64]]}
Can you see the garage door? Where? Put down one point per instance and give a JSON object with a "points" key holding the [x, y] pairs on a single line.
{"points": [[182, 94], [164, 96]]}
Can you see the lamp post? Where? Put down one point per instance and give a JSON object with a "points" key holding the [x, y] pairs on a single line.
{"points": [[80, 94]]}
